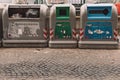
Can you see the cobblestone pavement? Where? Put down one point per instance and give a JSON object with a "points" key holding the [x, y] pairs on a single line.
{"points": [[59, 64]]}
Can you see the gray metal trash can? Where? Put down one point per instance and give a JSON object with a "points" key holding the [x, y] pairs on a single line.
{"points": [[62, 26], [1, 26], [24, 25], [98, 26]]}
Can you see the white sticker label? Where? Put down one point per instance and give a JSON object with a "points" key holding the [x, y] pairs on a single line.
{"points": [[20, 31]]}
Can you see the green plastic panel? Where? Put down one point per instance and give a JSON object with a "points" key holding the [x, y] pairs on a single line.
{"points": [[63, 30], [62, 13]]}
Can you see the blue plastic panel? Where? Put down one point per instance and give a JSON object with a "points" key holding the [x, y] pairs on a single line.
{"points": [[98, 30], [99, 13]]}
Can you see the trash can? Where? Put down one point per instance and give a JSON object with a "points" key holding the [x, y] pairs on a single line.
{"points": [[62, 26], [1, 25], [98, 26], [24, 25]]}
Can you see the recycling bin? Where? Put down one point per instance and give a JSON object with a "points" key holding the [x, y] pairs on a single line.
{"points": [[24, 25], [62, 26], [98, 26]]}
